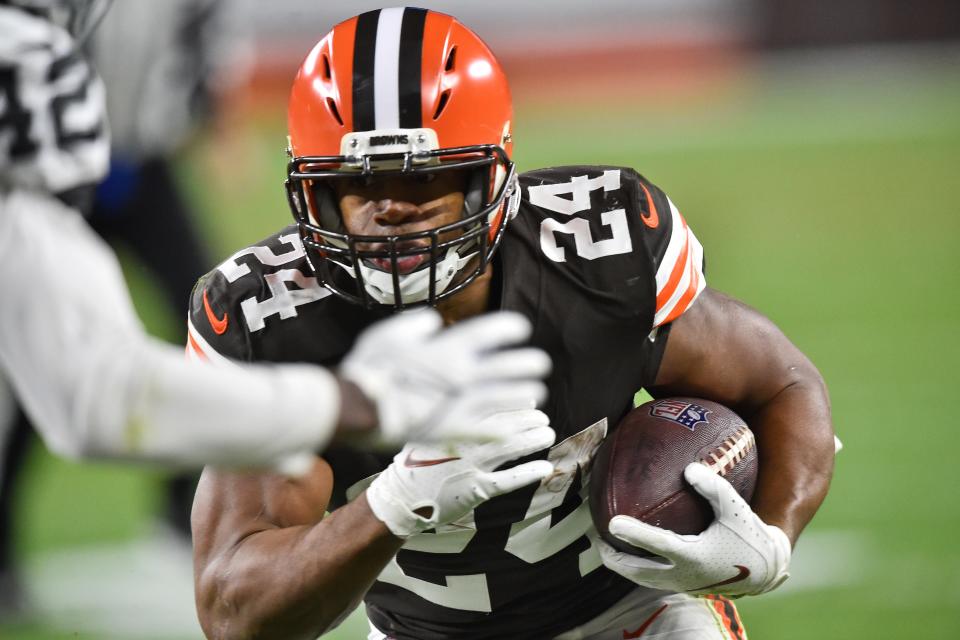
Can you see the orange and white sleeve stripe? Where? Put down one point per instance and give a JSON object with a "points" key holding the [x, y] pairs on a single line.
{"points": [[680, 274], [199, 350]]}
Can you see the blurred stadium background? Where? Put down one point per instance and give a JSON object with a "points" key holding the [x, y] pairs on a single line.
{"points": [[814, 147]]}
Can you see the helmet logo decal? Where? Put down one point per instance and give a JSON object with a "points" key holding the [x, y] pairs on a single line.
{"points": [[389, 48]]}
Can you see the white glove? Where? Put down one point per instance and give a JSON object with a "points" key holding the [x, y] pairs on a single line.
{"points": [[447, 482], [437, 385], [737, 555]]}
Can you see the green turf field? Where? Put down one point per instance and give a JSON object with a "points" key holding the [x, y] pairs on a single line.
{"points": [[830, 204]]}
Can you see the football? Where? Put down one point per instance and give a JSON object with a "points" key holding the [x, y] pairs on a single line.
{"points": [[638, 470]]}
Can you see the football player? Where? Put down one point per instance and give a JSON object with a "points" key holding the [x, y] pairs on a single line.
{"points": [[96, 385], [404, 193]]}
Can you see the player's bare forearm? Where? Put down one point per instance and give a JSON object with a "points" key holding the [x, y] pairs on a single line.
{"points": [[267, 564], [300, 581], [725, 351], [796, 449]]}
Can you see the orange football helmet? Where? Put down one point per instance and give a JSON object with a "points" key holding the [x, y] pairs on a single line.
{"points": [[400, 92]]}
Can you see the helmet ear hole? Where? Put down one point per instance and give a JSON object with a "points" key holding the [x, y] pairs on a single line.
{"points": [[332, 106], [442, 104]]}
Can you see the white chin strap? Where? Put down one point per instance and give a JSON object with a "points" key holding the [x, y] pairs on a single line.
{"points": [[414, 287]]}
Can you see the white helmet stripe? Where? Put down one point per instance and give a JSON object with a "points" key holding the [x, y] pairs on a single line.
{"points": [[386, 69]]}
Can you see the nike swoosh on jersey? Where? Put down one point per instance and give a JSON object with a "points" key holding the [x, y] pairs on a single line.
{"points": [[627, 635], [410, 461], [653, 219], [742, 574], [219, 324]]}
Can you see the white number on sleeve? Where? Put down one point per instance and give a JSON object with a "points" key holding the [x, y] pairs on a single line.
{"points": [[232, 270], [548, 196], [282, 301]]}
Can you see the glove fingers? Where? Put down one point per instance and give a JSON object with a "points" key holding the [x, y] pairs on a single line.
{"points": [[409, 326], [498, 483], [513, 446], [495, 428], [514, 443], [514, 364], [612, 558], [484, 400], [489, 331], [516, 421], [529, 441], [715, 488], [640, 534]]}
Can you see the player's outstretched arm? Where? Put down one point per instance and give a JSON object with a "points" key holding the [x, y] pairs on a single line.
{"points": [[268, 564], [97, 387], [406, 378], [723, 350]]}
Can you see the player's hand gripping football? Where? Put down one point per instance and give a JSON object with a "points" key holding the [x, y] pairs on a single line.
{"points": [[434, 384], [737, 555], [430, 485]]}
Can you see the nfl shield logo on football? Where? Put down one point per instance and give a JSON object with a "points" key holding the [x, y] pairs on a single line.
{"points": [[686, 414]]}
